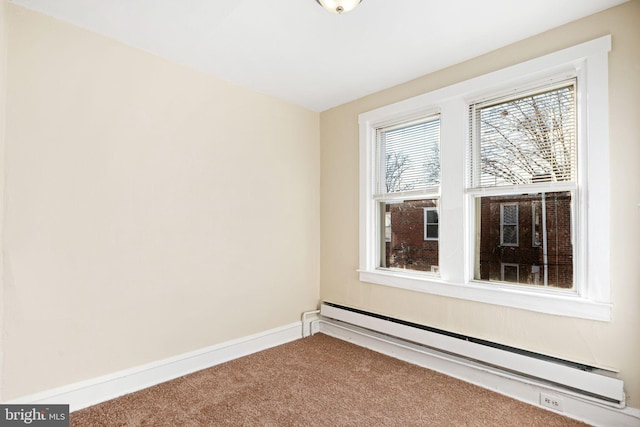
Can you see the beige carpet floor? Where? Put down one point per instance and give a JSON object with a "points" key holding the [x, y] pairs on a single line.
{"points": [[316, 381]]}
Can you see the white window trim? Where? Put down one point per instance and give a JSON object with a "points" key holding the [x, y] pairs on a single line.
{"points": [[591, 299], [431, 209]]}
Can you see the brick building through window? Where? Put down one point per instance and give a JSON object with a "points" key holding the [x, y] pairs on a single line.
{"points": [[543, 238], [412, 235]]}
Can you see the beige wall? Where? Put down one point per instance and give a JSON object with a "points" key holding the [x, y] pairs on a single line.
{"points": [[151, 210], [3, 86], [614, 344]]}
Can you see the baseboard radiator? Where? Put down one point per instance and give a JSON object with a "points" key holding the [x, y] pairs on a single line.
{"points": [[583, 379]]}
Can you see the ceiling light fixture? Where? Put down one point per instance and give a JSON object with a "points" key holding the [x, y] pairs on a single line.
{"points": [[339, 6]]}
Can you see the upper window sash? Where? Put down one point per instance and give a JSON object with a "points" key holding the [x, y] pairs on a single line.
{"points": [[408, 158], [525, 138]]}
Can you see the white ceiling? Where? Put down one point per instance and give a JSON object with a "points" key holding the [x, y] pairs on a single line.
{"points": [[296, 51]]}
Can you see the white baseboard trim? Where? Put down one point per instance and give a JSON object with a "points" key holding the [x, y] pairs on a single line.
{"points": [[91, 392], [517, 387], [97, 390]]}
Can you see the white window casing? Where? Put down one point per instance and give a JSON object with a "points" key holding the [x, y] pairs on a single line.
{"points": [[590, 298]]}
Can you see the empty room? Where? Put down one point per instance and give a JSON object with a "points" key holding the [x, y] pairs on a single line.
{"points": [[320, 212]]}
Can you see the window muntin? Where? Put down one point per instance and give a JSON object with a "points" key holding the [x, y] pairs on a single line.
{"points": [[408, 179]]}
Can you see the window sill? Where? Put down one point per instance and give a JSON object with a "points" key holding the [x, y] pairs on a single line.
{"points": [[541, 301]]}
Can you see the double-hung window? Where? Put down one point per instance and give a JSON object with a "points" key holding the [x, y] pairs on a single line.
{"points": [[524, 153], [479, 190], [407, 187]]}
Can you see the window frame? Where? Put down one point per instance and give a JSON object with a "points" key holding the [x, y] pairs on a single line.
{"points": [[536, 241], [426, 224], [502, 224], [591, 298], [387, 226], [377, 197], [509, 264]]}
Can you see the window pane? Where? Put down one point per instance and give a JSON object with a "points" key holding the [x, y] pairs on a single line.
{"points": [[510, 235], [432, 231], [510, 273], [407, 247], [545, 217], [510, 214], [527, 140], [410, 156], [509, 224], [431, 225]]}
